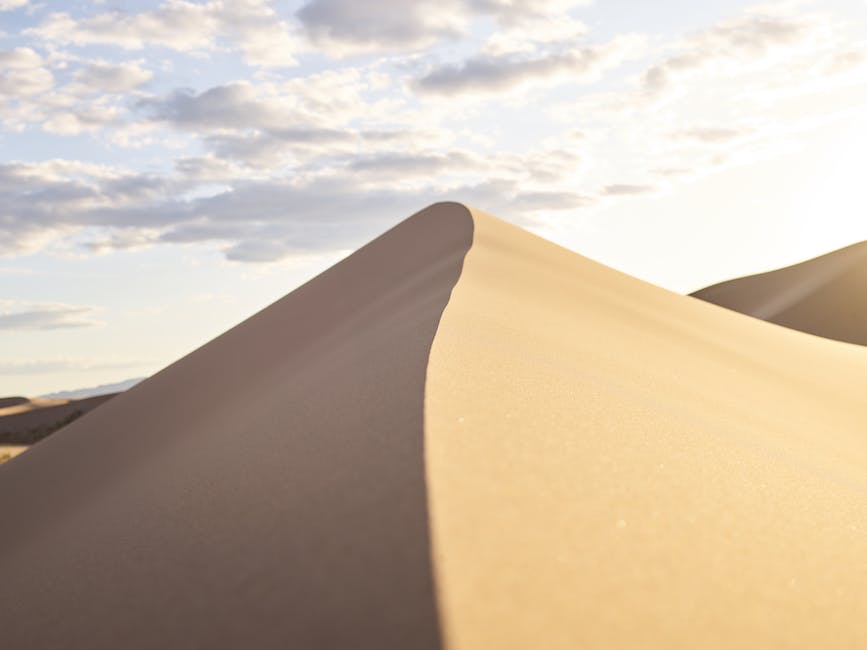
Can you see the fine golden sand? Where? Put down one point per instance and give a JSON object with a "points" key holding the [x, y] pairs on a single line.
{"points": [[8, 452], [18, 405], [465, 437], [611, 465]]}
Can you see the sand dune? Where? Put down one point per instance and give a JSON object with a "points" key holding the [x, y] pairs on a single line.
{"points": [[11, 402], [826, 296], [15, 405], [461, 436], [27, 420]]}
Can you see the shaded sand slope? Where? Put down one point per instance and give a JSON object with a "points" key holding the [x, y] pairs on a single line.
{"points": [[26, 420], [826, 296], [266, 491], [606, 465], [612, 465]]}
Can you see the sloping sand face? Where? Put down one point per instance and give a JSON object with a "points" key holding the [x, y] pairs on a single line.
{"points": [[611, 465], [826, 296], [267, 491], [462, 436]]}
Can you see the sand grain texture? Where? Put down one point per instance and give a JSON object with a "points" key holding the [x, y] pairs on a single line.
{"points": [[462, 436], [612, 465]]}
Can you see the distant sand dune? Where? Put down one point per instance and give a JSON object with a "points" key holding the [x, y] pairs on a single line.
{"points": [[25, 421], [16, 405], [461, 436], [826, 296], [10, 402]]}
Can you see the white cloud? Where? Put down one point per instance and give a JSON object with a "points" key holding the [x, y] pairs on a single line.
{"points": [[722, 97], [267, 218], [175, 24], [16, 82], [20, 58], [105, 77], [9, 5], [51, 366], [713, 134], [19, 316], [92, 98], [326, 100], [408, 165], [81, 118], [748, 41], [487, 73], [22, 73], [627, 189], [48, 200], [329, 113], [278, 165], [232, 105], [251, 26], [380, 24], [846, 60], [527, 36], [552, 200], [268, 44], [347, 26]]}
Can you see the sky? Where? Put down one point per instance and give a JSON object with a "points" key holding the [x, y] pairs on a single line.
{"points": [[169, 168]]}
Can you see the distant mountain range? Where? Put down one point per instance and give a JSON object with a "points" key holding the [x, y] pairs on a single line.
{"points": [[102, 389]]}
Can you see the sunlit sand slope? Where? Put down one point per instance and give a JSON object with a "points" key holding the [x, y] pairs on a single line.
{"points": [[826, 296], [462, 436], [611, 465]]}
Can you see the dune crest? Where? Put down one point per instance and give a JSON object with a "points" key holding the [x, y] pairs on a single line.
{"points": [[462, 436], [612, 465], [825, 296], [265, 491]]}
